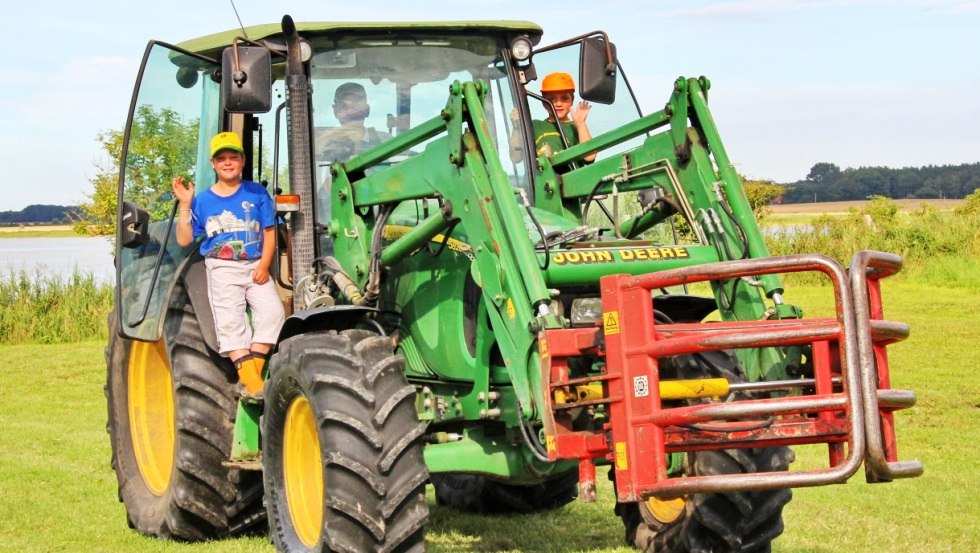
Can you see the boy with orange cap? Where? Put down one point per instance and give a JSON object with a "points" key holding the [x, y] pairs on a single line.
{"points": [[237, 220], [559, 90]]}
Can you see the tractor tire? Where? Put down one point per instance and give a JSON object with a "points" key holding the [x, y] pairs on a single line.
{"points": [[741, 522], [477, 494], [171, 407], [342, 457]]}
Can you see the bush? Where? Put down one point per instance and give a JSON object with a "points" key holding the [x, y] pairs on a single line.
{"points": [[923, 238]]}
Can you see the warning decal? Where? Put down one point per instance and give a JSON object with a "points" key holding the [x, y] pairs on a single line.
{"points": [[622, 463], [610, 322]]}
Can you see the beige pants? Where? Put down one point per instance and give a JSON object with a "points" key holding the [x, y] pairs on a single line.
{"points": [[231, 290]]}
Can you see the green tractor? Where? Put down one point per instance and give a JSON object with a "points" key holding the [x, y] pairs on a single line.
{"points": [[468, 311]]}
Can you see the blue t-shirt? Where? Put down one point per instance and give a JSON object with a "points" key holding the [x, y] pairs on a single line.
{"points": [[232, 226]]}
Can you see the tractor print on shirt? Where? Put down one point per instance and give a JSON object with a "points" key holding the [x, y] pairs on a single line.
{"points": [[237, 233]]}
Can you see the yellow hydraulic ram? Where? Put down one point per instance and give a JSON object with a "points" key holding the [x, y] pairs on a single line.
{"points": [[693, 389], [669, 389]]}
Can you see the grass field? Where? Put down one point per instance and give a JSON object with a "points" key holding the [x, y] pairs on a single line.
{"points": [[58, 493]]}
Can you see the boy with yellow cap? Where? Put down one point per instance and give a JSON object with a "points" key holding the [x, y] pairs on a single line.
{"points": [[237, 220]]}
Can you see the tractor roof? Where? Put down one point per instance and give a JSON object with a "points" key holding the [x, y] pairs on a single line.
{"points": [[211, 45]]}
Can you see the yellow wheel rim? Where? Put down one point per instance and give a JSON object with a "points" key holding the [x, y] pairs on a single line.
{"points": [[303, 472], [666, 510], [151, 414]]}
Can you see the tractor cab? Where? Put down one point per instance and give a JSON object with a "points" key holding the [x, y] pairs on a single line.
{"points": [[368, 85]]}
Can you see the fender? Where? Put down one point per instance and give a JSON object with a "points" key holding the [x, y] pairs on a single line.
{"points": [[195, 280], [334, 317]]}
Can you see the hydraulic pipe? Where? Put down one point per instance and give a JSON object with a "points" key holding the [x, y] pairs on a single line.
{"points": [[741, 210], [418, 236]]}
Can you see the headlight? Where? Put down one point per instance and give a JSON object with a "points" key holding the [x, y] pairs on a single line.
{"points": [[520, 48], [586, 311]]}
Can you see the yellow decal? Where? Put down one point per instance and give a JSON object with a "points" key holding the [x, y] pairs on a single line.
{"points": [[584, 256], [654, 254], [587, 256], [511, 310], [549, 442], [543, 352], [394, 232], [610, 322], [621, 462]]}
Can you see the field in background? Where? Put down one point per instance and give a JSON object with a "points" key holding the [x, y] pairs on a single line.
{"points": [[35, 231], [801, 214], [842, 207], [58, 492]]}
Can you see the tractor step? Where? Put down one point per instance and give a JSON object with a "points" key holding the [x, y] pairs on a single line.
{"points": [[247, 464]]}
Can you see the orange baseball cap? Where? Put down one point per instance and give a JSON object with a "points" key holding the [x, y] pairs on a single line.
{"points": [[557, 82]]}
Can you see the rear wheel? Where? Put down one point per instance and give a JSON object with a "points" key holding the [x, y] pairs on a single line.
{"points": [[739, 522], [478, 494], [171, 414], [342, 458]]}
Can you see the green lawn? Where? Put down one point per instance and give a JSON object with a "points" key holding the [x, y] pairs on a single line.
{"points": [[58, 492]]}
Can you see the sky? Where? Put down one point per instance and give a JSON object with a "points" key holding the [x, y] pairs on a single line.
{"points": [[851, 82]]}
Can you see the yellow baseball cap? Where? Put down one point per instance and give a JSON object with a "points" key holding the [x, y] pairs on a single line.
{"points": [[226, 141]]}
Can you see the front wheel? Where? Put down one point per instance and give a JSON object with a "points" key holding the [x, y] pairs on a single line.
{"points": [[342, 460], [737, 522]]}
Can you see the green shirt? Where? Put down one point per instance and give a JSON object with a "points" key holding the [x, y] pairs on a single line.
{"points": [[546, 132]]}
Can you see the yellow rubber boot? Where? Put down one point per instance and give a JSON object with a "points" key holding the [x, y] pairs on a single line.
{"points": [[250, 374]]}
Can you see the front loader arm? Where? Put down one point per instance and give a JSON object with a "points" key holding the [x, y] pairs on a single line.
{"points": [[687, 161], [462, 170], [683, 156]]}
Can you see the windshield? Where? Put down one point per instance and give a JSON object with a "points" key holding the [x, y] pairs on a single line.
{"points": [[367, 91], [601, 117]]}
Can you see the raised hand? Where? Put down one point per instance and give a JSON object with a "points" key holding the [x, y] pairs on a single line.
{"points": [[183, 191], [581, 112]]}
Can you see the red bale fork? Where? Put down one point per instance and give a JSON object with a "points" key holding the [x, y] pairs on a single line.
{"points": [[848, 403]]}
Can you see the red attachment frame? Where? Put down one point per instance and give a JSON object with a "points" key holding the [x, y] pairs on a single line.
{"points": [[851, 402]]}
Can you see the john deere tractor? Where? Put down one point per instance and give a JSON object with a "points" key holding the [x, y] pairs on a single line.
{"points": [[468, 311]]}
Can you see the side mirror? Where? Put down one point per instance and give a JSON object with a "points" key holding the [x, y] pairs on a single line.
{"points": [[134, 226], [597, 72], [246, 79]]}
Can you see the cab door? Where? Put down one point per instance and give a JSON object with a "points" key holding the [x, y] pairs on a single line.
{"points": [[174, 110]]}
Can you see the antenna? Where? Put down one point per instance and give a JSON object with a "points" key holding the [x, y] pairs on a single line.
{"points": [[238, 17]]}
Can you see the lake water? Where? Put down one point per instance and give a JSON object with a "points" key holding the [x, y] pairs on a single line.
{"points": [[58, 256]]}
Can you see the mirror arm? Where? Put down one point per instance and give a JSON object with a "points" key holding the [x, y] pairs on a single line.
{"points": [[609, 56]]}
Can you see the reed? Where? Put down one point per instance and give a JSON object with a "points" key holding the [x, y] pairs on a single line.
{"points": [[50, 309], [938, 247]]}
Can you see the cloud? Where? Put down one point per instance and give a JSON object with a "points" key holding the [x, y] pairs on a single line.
{"points": [[49, 130], [80, 93], [851, 125], [752, 9]]}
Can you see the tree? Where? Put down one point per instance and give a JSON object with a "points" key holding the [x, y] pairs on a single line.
{"points": [[823, 173], [161, 146], [760, 194], [98, 215]]}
